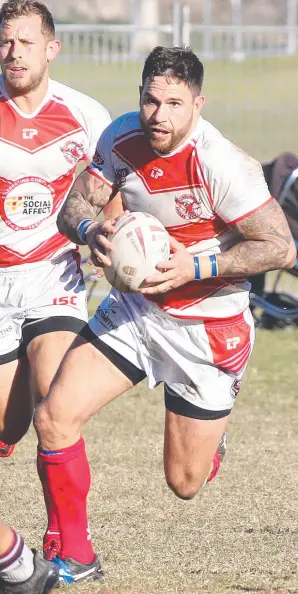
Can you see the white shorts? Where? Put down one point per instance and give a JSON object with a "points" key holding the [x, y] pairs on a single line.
{"points": [[200, 362], [39, 298]]}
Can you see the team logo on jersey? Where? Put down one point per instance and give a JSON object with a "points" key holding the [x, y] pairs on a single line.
{"points": [[236, 385], [27, 203], [120, 177], [73, 151], [188, 207]]}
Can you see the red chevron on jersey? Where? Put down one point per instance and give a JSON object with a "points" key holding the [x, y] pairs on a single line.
{"points": [[189, 295], [41, 152], [197, 192], [53, 123], [44, 251], [159, 174], [199, 230]]}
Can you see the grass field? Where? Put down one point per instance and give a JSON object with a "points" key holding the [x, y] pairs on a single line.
{"points": [[254, 102], [239, 536]]}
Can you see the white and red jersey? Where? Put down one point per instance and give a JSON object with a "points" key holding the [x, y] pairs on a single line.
{"points": [[38, 157], [198, 191]]}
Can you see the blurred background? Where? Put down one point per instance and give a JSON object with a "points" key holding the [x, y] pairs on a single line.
{"points": [[249, 49]]}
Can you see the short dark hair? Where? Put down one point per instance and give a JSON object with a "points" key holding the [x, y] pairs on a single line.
{"points": [[178, 62], [13, 9]]}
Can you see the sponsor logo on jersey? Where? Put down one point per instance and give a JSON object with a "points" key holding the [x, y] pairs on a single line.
{"points": [[27, 203], [73, 151], [29, 133], [105, 312], [156, 173], [236, 385], [188, 207]]}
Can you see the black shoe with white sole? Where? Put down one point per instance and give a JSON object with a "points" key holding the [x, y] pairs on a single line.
{"points": [[72, 571]]}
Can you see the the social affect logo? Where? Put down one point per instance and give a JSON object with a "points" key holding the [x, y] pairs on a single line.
{"points": [[27, 203]]}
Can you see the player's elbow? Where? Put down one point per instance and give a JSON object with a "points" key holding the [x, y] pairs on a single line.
{"points": [[291, 256]]}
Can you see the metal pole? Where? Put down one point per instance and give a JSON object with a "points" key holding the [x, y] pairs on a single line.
{"points": [[135, 18], [292, 24], [186, 24], [237, 21], [207, 22], [176, 22], [146, 35]]}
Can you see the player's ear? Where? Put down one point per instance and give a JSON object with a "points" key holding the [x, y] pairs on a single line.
{"points": [[199, 102], [53, 48]]}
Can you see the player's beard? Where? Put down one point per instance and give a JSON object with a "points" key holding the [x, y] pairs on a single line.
{"points": [[171, 141], [22, 86]]}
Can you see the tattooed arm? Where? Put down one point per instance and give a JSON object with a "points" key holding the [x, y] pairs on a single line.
{"points": [[266, 243], [86, 199]]}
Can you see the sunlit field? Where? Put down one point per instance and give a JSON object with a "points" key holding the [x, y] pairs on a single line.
{"points": [[254, 102], [239, 536]]}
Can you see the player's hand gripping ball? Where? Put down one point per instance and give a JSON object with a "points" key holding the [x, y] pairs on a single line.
{"points": [[140, 242]]}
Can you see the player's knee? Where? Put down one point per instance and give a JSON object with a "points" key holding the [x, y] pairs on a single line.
{"points": [[43, 421], [49, 424], [185, 486]]}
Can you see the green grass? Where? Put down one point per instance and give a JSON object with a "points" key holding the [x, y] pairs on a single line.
{"points": [[239, 536], [254, 102]]}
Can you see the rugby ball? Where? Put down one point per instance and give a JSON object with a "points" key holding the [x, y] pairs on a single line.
{"points": [[140, 242]]}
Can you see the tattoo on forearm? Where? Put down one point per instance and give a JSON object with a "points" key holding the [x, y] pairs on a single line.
{"points": [[86, 200], [265, 244]]}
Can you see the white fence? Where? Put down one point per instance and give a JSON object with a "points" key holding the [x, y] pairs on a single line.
{"points": [[250, 74], [128, 42]]}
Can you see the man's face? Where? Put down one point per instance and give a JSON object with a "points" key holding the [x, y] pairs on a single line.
{"points": [[169, 110], [24, 54]]}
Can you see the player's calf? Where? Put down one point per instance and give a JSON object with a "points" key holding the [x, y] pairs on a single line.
{"points": [[186, 484]]}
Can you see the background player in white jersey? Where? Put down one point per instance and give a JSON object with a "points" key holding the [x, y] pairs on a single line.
{"points": [[190, 327], [21, 570], [46, 128]]}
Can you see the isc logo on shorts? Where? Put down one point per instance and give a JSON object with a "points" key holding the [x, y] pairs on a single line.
{"points": [[65, 300]]}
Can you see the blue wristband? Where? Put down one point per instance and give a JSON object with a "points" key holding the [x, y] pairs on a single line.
{"points": [[82, 229], [213, 262], [197, 268]]}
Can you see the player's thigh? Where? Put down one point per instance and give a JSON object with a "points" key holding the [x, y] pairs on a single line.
{"points": [[45, 353], [56, 315], [189, 447], [16, 404], [103, 362], [86, 381]]}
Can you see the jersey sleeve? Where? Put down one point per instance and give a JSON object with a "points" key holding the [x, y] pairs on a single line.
{"points": [[237, 183], [102, 165], [99, 120]]}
